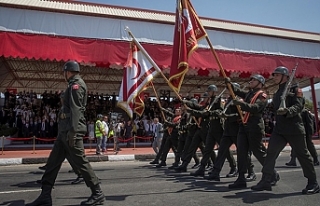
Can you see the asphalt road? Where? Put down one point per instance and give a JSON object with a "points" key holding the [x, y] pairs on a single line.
{"points": [[138, 183]]}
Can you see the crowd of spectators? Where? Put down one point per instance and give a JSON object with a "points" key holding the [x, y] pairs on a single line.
{"points": [[36, 115]]}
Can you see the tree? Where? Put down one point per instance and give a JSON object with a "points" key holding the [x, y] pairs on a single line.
{"points": [[309, 105]]}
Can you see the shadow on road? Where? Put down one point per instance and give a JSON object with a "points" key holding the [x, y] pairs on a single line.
{"points": [[254, 197], [13, 203]]}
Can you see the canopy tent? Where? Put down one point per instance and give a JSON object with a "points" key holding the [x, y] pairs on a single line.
{"points": [[38, 36]]}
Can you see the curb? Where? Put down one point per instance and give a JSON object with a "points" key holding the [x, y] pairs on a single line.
{"points": [[104, 158]]}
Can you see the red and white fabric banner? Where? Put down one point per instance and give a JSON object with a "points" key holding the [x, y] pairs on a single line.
{"points": [[137, 74], [188, 30]]}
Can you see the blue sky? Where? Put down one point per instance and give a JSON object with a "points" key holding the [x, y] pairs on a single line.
{"points": [[300, 15]]}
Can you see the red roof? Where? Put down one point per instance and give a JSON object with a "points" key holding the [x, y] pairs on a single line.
{"points": [[104, 53]]}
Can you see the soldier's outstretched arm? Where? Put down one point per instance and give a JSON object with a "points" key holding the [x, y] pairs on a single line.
{"points": [[257, 107], [197, 113]]}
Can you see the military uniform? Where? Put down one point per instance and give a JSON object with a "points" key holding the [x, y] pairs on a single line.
{"points": [[251, 132], [289, 128], [169, 116], [231, 128], [192, 127], [213, 136], [198, 138], [171, 142], [71, 119], [182, 132], [309, 125], [71, 130]]}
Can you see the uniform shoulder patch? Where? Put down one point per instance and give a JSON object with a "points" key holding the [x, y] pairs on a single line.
{"points": [[299, 92], [75, 86]]}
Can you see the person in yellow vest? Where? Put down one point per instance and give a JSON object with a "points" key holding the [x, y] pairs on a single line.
{"points": [[99, 133]]}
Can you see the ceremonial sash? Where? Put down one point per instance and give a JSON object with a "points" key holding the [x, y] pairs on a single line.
{"points": [[175, 120], [253, 100]]}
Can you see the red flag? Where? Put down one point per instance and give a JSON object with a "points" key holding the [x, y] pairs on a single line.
{"points": [[137, 74], [138, 106], [188, 30]]}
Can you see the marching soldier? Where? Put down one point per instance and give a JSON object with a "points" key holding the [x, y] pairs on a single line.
{"points": [[191, 128], [169, 115], [231, 128], [183, 132], [214, 132], [288, 129], [71, 130], [172, 140], [309, 126], [79, 178], [199, 135], [251, 130]]}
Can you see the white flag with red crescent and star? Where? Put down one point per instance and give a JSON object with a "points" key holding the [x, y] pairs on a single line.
{"points": [[137, 74]]}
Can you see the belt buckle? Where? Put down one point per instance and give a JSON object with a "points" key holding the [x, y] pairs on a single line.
{"points": [[63, 116]]}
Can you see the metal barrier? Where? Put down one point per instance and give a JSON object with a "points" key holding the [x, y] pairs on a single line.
{"points": [[34, 138]]}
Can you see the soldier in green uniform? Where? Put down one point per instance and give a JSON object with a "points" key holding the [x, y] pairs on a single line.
{"points": [[288, 129], [214, 130], [231, 128], [251, 130], [310, 127], [191, 127], [169, 115], [69, 143], [172, 140]]}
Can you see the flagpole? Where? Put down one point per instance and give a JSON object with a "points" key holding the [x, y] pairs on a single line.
{"points": [[150, 59], [155, 92], [224, 75], [190, 8]]}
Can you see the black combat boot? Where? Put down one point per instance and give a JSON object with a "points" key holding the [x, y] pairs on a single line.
{"points": [[162, 164], [44, 167], [96, 198], [215, 176], [182, 167], [275, 178], [199, 172], [174, 165], [240, 183], [154, 162], [233, 172], [45, 197], [264, 184], [292, 162], [311, 188], [251, 175]]}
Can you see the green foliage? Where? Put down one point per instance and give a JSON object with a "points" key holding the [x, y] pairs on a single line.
{"points": [[7, 131], [309, 105]]}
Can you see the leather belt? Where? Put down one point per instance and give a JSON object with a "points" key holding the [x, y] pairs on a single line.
{"points": [[64, 115]]}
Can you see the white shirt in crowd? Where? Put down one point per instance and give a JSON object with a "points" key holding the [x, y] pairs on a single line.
{"points": [[136, 121], [106, 127]]}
